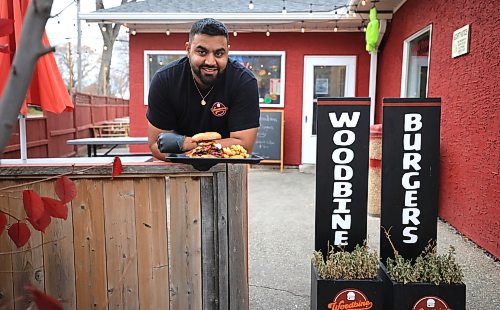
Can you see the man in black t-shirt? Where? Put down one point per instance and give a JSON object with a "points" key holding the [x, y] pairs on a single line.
{"points": [[205, 91]]}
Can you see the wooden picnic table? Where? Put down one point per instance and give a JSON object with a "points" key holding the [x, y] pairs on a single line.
{"points": [[111, 142]]}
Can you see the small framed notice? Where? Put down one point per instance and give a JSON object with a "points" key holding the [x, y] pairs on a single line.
{"points": [[460, 44]]}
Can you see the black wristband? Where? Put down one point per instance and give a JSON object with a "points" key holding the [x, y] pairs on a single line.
{"points": [[170, 142]]}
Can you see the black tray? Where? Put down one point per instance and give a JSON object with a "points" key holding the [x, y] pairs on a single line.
{"points": [[204, 163]]}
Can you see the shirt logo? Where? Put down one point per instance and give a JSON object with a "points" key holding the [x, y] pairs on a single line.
{"points": [[218, 109]]}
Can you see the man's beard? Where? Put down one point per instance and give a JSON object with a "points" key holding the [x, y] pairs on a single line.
{"points": [[206, 80]]}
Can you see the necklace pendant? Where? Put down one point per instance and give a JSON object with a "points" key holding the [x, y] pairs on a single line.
{"points": [[203, 102]]}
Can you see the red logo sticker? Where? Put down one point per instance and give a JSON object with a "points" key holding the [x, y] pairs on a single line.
{"points": [[351, 299], [218, 109], [431, 303]]}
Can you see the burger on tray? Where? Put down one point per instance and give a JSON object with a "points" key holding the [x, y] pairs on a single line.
{"points": [[209, 148]]}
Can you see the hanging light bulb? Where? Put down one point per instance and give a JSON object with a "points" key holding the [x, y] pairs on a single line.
{"points": [[284, 7], [250, 5], [103, 28], [364, 27], [105, 47], [267, 32], [335, 29], [235, 33], [302, 29], [363, 2], [133, 32], [168, 32]]}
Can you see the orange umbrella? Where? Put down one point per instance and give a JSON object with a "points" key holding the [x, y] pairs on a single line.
{"points": [[47, 88]]}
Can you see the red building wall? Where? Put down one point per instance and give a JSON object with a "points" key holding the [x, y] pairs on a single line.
{"points": [[470, 120], [296, 46]]}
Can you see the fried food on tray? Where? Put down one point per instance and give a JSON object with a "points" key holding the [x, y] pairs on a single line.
{"points": [[235, 151]]}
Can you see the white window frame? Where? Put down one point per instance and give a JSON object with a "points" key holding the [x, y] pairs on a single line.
{"points": [[147, 53], [406, 60]]}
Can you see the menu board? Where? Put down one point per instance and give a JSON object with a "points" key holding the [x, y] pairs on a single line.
{"points": [[269, 143]]}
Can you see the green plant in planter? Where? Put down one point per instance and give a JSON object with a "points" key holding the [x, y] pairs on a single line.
{"points": [[358, 264], [428, 267]]}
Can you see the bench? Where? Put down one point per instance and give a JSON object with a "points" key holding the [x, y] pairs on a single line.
{"points": [[110, 130]]}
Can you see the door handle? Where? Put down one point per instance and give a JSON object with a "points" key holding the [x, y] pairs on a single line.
{"points": [[305, 119]]}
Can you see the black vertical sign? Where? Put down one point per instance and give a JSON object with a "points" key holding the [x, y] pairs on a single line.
{"points": [[341, 172], [410, 175]]}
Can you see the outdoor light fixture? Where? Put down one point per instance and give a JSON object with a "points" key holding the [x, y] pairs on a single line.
{"points": [[302, 29], [235, 33], [250, 5], [335, 29], [105, 47], [267, 32], [168, 32], [103, 28], [133, 32]]}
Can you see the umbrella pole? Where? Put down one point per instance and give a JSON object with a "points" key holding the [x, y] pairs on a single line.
{"points": [[22, 137]]}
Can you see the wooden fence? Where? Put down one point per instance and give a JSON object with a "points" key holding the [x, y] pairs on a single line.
{"points": [[46, 136], [119, 250]]}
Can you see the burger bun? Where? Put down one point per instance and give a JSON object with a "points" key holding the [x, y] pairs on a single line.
{"points": [[206, 136]]}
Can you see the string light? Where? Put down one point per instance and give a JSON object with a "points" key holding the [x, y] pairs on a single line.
{"points": [[235, 33], [302, 29], [267, 32], [310, 8], [103, 28], [105, 48], [250, 5], [284, 7], [168, 32], [133, 32], [335, 29], [363, 2]]}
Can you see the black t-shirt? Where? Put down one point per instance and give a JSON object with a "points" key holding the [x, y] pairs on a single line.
{"points": [[175, 104]]}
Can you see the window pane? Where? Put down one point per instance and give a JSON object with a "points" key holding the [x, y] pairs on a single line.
{"points": [[267, 70], [156, 61], [417, 67], [329, 81]]}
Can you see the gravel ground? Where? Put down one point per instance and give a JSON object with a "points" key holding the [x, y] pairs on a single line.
{"points": [[281, 241]]}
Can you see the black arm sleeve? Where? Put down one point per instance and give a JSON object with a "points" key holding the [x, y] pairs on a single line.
{"points": [[160, 113], [245, 112]]}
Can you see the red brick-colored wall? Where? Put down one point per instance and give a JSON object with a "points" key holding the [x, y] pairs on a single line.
{"points": [[296, 46], [470, 120]]}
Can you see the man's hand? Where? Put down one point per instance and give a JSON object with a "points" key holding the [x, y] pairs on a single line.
{"points": [[154, 134]]}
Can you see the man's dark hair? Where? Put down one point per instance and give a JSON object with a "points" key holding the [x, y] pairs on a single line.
{"points": [[208, 26]]}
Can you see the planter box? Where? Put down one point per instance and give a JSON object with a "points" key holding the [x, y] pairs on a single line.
{"points": [[345, 294], [421, 296]]}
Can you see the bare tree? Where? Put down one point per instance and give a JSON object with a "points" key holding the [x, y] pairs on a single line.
{"points": [[65, 56], [109, 34], [29, 49]]}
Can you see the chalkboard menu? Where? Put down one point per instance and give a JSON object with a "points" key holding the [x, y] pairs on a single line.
{"points": [[269, 142]]}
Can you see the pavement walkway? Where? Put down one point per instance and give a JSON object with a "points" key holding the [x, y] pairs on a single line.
{"points": [[281, 242]]}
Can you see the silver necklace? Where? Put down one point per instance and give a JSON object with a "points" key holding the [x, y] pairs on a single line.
{"points": [[203, 102]]}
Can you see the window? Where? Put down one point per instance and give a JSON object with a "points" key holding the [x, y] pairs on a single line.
{"points": [[416, 55], [268, 68]]}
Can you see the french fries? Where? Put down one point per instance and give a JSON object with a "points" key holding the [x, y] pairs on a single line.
{"points": [[235, 151]]}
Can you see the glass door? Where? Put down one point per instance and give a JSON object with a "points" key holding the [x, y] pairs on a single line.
{"points": [[324, 76]]}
